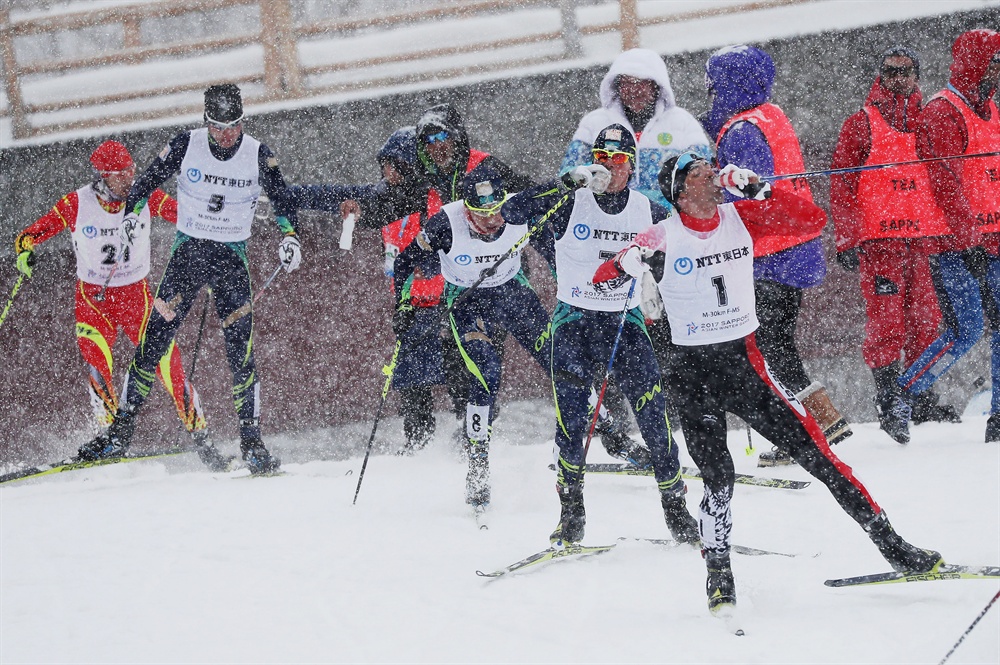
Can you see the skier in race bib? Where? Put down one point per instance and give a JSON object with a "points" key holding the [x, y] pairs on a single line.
{"points": [[220, 171], [592, 221], [112, 292], [465, 238], [702, 261]]}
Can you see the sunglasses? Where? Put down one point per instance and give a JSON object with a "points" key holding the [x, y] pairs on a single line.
{"points": [[681, 165], [893, 72], [438, 137], [223, 125], [612, 156]]}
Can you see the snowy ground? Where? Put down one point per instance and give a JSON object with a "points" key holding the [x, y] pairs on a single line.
{"points": [[155, 562]]}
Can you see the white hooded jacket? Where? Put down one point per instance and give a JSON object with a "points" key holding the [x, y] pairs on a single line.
{"points": [[671, 131]]}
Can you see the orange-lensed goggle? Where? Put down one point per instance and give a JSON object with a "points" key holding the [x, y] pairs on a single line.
{"points": [[613, 156]]}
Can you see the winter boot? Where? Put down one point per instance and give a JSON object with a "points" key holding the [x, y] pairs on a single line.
{"points": [[721, 587], [993, 428], [902, 556], [774, 457], [925, 408], [257, 457], [477, 480], [683, 527], [893, 409], [115, 441], [572, 516], [817, 402], [209, 454]]}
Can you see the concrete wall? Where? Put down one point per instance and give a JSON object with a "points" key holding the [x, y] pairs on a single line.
{"points": [[321, 333]]}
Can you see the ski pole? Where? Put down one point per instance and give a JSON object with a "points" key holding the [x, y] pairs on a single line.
{"points": [[388, 370], [872, 167], [247, 308], [10, 300], [607, 371], [969, 629]]}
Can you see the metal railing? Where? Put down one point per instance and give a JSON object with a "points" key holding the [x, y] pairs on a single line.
{"points": [[282, 74]]}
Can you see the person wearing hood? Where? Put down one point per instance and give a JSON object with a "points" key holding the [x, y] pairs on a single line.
{"points": [[462, 240], [636, 93], [962, 120], [702, 261], [112, 291], [753, 133], [886, 224], [593, 214]]}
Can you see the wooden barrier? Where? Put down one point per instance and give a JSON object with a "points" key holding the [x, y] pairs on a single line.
{"points": [[282, 75]]}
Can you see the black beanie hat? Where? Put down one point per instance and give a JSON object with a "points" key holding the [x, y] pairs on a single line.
{"points": [[223, 104], [899, 49]]}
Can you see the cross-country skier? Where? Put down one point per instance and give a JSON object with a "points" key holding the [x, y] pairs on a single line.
{"points": [[112, 292], [962, 119], [636, 93], [590, 225], [465, 238], [702, 260], [752, 132], [221, 172]]}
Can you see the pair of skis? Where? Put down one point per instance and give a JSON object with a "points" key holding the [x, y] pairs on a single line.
{"points": [[578, 550], [75, 463], [625, 469]]}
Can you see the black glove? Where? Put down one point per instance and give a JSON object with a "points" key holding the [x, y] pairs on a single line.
{"points": [[848, 259], [976, 261], [403, 319]]}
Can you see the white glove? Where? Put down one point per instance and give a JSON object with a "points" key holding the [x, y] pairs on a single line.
{"points": [[630, 261], [764, 191], [290, 253], [734, 179], [651, 303], [128, 229], [593, 176]]}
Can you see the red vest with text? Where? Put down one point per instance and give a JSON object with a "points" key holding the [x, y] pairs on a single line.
{"points": [[780, 135], [980, 176], [896, 202], [396, 237]]}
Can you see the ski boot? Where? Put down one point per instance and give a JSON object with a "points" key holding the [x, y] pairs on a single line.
{"points": [[924, 408], [257, 457], [477, 480], [774, 457], [993, 428], [572, 515], [683, 527], [902, 556], [114, 442], [209, 454], [618, 443], [414, 445], [720, 586], [817, 402]]}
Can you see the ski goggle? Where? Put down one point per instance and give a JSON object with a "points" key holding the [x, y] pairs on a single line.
{"points": [[685, 160], [613, 156], [438, 137]]}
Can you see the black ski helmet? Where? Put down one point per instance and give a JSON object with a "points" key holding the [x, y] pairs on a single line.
{"points": [[223, 104], [674, 172]]}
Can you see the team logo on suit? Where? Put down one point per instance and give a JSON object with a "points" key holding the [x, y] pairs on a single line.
{"points": [[463, 259], [194, 175], [683, 265], [90, 231], [581, 231]]}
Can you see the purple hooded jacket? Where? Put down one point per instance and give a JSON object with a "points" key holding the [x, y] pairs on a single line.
{"points": [[741, 78]]}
